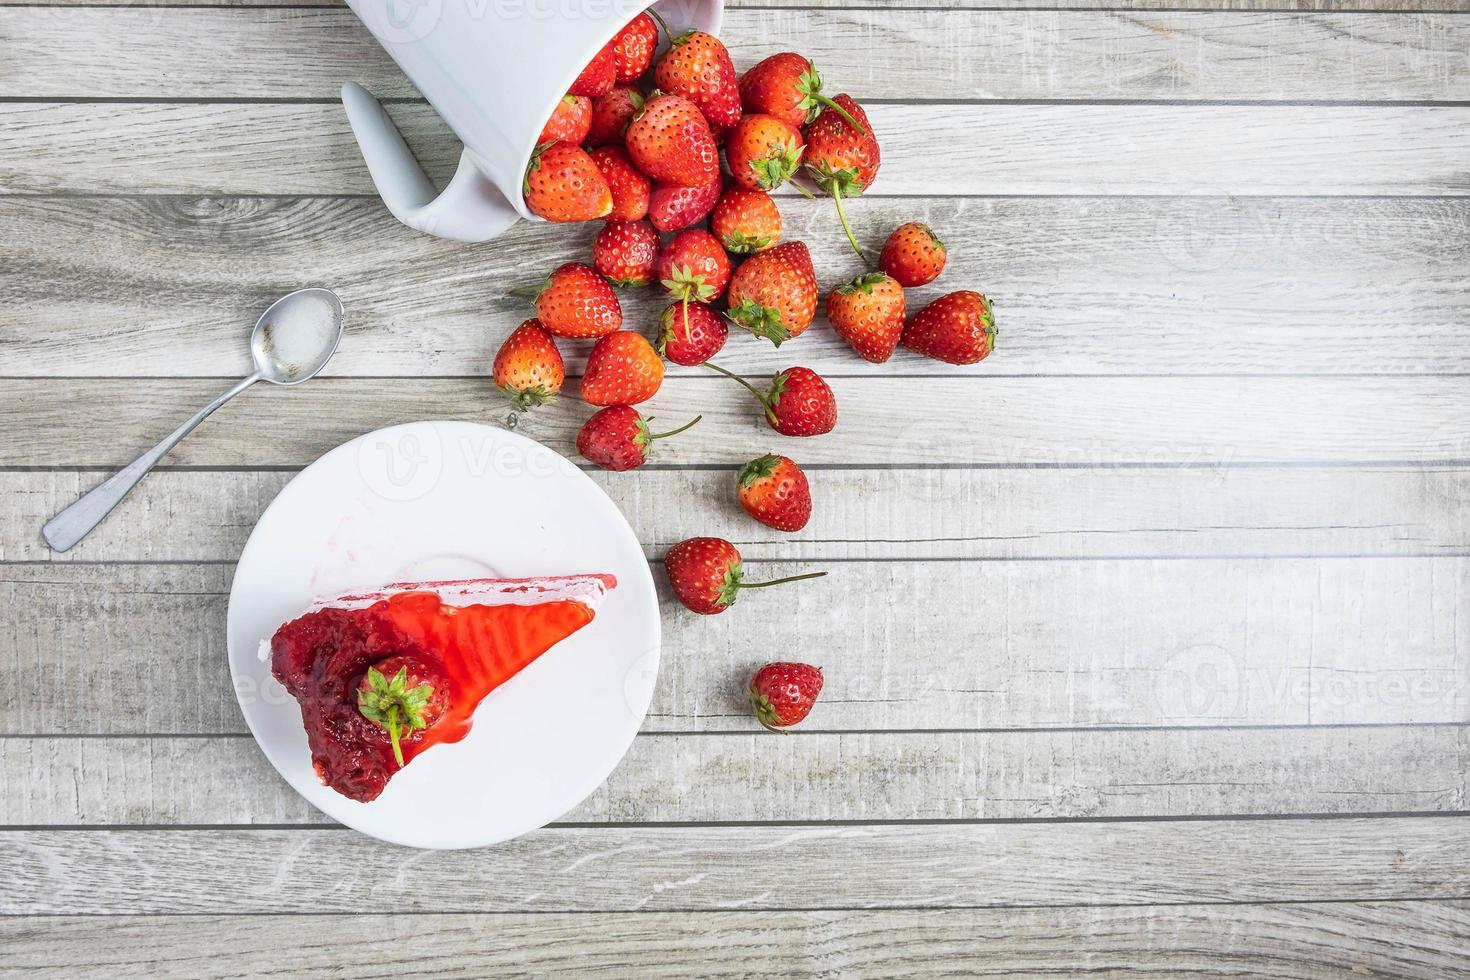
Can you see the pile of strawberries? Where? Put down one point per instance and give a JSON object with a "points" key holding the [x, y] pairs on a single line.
{"points": [[637, 142]]}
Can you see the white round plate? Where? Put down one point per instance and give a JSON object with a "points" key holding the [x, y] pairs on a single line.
{"points": [[446, 500]]}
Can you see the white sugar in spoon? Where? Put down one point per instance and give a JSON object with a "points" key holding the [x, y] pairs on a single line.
{"points": [[291, 343]]}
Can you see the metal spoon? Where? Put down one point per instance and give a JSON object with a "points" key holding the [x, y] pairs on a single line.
{"points": [[291, 343]]}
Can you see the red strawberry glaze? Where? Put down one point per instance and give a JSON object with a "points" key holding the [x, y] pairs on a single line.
{"points": [[464, 651]]}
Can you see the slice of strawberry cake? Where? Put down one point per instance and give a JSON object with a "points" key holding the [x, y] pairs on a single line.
{"points": [[385, 675]]}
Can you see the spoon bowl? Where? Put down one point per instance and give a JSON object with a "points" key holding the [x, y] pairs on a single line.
{"points": [[296, 336]]}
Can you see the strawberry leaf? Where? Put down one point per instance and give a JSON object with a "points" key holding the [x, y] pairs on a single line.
{"points": [[391, 704], [762, 321]]}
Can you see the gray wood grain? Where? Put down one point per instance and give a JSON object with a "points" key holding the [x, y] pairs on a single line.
{"points": [[1315, 941], [1194, 643], [1170, 6], [813, 776], [1211, 150], [1083, 285], [762, 868], [918, 514], [887, 54], [1209, 423]]}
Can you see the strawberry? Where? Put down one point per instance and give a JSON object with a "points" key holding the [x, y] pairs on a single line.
{"points": [[774, 491], [671, 142], [868, 313], [690, 333], [617, 438], [597, 79], [622, 369], [773, 294], [707, 574], [782, 694], [763, 152], [786, 86], [842, 155], [625, 252], [698, 67], [957, 328], [671, 207], [913, 255], [746, 221], [610, 115], [570, 120], [576, 302], [633, 47], [629, 188], [528, 366], [694, 266], [798, 403], [563, 184]]}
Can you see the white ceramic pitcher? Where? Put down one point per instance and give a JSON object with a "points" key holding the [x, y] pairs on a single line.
{"points": [[494, 70]]}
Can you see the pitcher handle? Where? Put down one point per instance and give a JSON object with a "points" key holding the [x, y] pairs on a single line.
{"points": [[470, 209]]}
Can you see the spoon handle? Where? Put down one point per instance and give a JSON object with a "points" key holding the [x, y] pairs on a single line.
{"points": [[70, 526]]}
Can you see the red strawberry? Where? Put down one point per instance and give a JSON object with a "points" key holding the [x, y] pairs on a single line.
{"points": [[617, 438], [786, 86], [774, 491], [528, 366], [629, 188], [625, 252], [610, 115], [746, 221], [576, 302], [694, 266], [622, 369], [670, 141], [707, 574], [957, 328], [868, 313], [570, 120], [763, 152], [598, 77], [842, 155], [633, 48], [913, 255], [698, 67], [563, 184], [671, 207], [690, 333], [799, 402], [773, 294], [782, 694]]}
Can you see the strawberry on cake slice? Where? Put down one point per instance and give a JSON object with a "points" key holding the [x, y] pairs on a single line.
{"points": [[385, 675]]}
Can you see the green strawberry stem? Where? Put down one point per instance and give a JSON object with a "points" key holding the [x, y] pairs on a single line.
{"points": [[686, 317], [393, 733], [674, 432], [765, 402], [781, 581], [836, 189], [837, 108], [663, 25]]}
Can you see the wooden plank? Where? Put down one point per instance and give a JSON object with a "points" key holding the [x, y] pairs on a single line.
{"points": [[1042, 644], [756, 777], [1312, 941], [707, 868], [1084, 285], [220, 53], [1368, 6], [1209, 423], [193, 515], [1212, 150]]}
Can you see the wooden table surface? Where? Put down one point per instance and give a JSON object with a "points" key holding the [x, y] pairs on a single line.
{"points": [[1146, 639]]}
